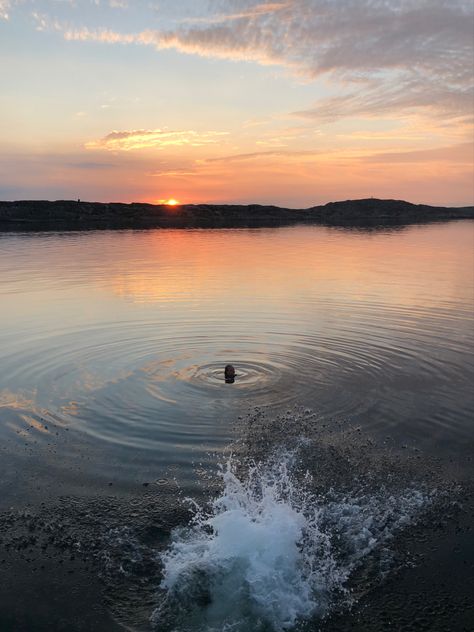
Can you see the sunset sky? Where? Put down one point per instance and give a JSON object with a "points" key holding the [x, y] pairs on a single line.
{"points": [[293, 102]]}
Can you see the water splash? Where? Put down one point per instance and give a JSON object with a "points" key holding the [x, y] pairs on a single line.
{"points": [[269, 552]]}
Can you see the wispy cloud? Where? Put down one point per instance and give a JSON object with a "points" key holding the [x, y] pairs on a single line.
{"points": [[387, 56], [174, 173], [265, 154], [5, 6], [157, 138], [249, 13], [118, 4], [396, 53], [397, 94], [105, 36], [461, 153], [91, 166], [401, 71]]}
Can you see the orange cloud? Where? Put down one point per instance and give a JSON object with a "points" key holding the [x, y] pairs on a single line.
{"points": [[157, 138]]}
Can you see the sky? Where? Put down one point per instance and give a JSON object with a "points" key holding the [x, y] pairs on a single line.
{"points": [[292, 102]]}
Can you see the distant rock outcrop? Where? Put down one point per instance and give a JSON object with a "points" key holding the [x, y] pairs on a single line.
{"points": [[77, 215]]}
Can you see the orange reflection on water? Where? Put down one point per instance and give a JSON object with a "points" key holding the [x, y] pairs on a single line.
{"points": [[236, 267]]}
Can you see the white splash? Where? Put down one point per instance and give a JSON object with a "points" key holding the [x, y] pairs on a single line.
{"points": [[268, 552]]}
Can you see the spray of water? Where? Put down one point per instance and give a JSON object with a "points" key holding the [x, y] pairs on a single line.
{"points": [[268, 552]]}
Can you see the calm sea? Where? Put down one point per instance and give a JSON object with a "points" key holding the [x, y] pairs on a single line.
{"points": [[113, 346]]}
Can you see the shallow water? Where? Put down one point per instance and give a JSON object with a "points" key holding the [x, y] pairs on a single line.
{"points": [[113, 345]]}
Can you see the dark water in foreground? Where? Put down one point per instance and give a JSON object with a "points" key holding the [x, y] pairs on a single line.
{"points": [[354, 359]]}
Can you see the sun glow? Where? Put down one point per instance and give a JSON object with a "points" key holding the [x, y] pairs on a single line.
{"points": [[171, 202]]}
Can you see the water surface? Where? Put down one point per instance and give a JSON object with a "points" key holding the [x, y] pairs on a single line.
{"points": [[113, 346]]}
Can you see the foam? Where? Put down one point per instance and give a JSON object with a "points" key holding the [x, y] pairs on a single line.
{"points": [[267, 552]]}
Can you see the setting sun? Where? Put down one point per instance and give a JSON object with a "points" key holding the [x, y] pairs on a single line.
{"points": [[172, 202]]}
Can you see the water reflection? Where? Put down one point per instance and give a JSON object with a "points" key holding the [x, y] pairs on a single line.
{"points": [[123, 336]]}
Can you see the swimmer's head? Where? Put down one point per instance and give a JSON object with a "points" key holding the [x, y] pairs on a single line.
{"points": [[229, 373]]}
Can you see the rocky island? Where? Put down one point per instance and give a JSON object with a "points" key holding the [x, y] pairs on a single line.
{"points": [[33, 215]]}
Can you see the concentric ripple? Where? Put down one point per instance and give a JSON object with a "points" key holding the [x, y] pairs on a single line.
{"points": [[123, 337], [250, 375]]}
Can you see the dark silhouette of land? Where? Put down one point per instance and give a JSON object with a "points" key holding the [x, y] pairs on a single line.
{"points": [[77, 215]]}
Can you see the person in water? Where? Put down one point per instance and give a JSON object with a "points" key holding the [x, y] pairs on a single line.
{"points": [[229, 373]]}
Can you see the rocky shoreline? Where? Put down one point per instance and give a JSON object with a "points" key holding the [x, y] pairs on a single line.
{"points": [[77, 215]]}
